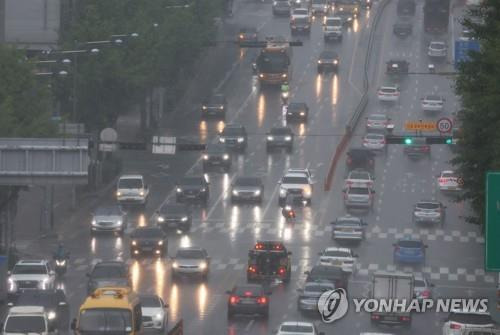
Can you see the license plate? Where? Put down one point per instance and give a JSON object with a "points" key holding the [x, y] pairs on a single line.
{"points": [[247, 302]]}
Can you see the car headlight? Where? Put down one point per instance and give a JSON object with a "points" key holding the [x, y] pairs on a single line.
{"points": [[270, 138], [204, 107], [119, 222], [275, 3], [205, 157], [203, 189], [284, 75], [261, 75], [141, 193], [285, 94], [60, 262], [12, 285], [242, 36], [302, 113], [235, 192], [257, 193], [222, 140], [51, 315], [184, 219], [118, 193], [221, 107], [335, 61], [160, 219], [94, 222], [307, 191], [288, 138], [319, 61], [159, 316], [134, 242], [179, 190], [160, 242], [175, 265], [225, 157], [203, 265], [241, 139], [282, 192], [43, 283]]}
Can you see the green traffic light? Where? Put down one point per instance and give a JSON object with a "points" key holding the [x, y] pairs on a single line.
{"points": [[449, 140], [408, 140]]}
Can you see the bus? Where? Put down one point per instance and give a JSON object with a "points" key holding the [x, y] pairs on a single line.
{"points": [[109, 310], [273, 63], [436, 16]]}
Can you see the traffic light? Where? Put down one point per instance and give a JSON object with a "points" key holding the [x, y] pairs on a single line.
{"points": [[439, 140], [408, 139], [391, 139]]}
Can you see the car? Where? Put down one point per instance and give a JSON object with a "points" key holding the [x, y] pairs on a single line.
{"points": [[300, 25], [281, 8], [348, 228], [320, 7], [333, 27], [358, 195], [448, 181], [406, 7], [52, 300], [191, 261], [174, 216], [374, 141], [108, 274], [298, 328], [307, 300], [328, 61], [300, 13], [422, 288], [148, 240], [359, 176], [247, 189], [234, 136], [31, 274], [377, 122], [347, 16], [27, 320], [437, 49], [458, 321], [280, 137], [306, 172], [360, 158], [108, 219], [402, 29], [327, 273], [297, 184], [269, 260], [432, 103], [131, 189], [216, 155], [409, 251], [397, 67], [341, 257], [248, 34], [248, 299], [215, 105], [193, 188], [297, 111], [429, 211], [154, 312], [417, 148], [388, 93]]}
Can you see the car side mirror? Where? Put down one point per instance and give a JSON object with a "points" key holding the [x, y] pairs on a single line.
{"points": [[228, 292], [355, 256], [166, 306], [426, 246], [372, 191], [73, 324], [10, 304], [51, 272], [432, 285]]}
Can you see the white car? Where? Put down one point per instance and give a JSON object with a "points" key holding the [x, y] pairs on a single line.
{"points": [[31, 274], [341, 257], [432, 103], [333, 27], [437, 49], [154, 312], [300, 13], [298, 328], [448, 181], [359, 176], [132, 189], [297, 183], [459, 320], [388, 93], [26, 320], [374, 141], [305, 172]]}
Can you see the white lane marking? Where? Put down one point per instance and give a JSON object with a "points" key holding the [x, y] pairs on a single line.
{"points": [[249, 325]]}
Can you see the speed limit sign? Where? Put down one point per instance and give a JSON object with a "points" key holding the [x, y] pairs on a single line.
{"points": [[444, 125]]}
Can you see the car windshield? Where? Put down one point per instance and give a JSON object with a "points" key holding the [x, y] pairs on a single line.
{"points": [[324, 271], [100, 320], [359, 175], [437, 45], [328, 55], [295, 106], [247, 181], [301, 11], [29, 269], [378, 137], [318, 288], [301, 20], [388, 89], [273, 62], [192, 181], [216, 99], [410, 244], [428, 205], [190, 254], [216, 148], [448, 175], [147, 233], [299, 329], [336, 253], [280, 131], [174, 209], [359, 190], [25, 324], [233, 131], [433, 98], [36, 299], [295, 180], [333, 22], [377, 117], [150, 301], [130, 183], [470, 318], [419, 283], [108, 272], [248, 290]]}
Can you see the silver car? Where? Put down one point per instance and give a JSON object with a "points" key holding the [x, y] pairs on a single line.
{"points": [[309, 295], [432, 103], [437, 49], [374, 141], [348, 228], [191, 261], [377, 122], [108, 219], [247, 189], [422, 288], [358, 196]]}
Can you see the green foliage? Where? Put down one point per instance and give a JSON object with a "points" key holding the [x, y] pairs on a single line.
{"points": [[25, 104], [478, 147]]}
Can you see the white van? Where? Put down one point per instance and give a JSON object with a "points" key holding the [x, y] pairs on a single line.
{"points": [[26, 320]]}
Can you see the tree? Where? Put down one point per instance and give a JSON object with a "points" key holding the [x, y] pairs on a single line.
{"points": [[478, 147]]}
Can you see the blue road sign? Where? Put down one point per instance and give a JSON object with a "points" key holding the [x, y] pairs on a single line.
{"points": [[462, 48]]}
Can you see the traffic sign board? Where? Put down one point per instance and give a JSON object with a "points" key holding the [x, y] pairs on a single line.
{"points": [[164, 145], [444, 125], [460, 181], [492, 253], [420, 125], [462, 48]]}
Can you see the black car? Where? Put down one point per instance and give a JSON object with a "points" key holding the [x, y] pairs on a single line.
{"points": [[216, 105], [360, 158], [176, 216], [192, 189], [148, 240], [54, 301], [406, 7], [248, 34], [300, 25], [108, 274], [281, 8], [280, 137], [234, 136], [248, 299], [328, 61], [397, 67], [297, 111], [417, 148], [247, 189], [328, 273], [402, 29], [216, 156]]}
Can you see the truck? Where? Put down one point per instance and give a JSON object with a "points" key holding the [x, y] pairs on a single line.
{"points": [[269, 260], [273, 63], [347, 8], [391, 286], [436, 16]]}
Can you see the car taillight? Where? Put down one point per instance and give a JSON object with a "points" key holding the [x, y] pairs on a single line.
{"points": [[281, 270], [375, 317], [455, 326], [426, 148], [426, 294], [262, 300], [252, 269], [234, 299], [443, 180], [404, 318]]}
